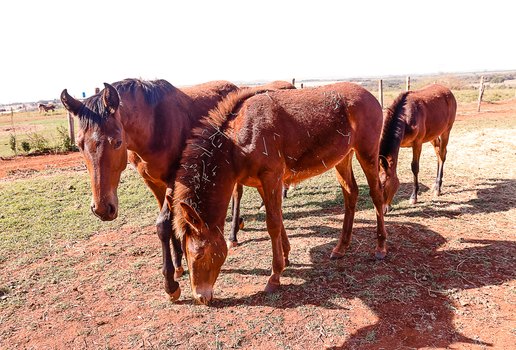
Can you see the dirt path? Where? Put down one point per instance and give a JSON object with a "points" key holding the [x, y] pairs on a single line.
{"points": [[24, 166]]}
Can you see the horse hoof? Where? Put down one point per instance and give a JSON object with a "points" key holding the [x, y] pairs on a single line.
{"points": [[336, 255], [437, 193], [232, 244], [241, 225], [287, 262], [413, 200], [271, 287], [175, 295], [380, 254], [178, 272]]}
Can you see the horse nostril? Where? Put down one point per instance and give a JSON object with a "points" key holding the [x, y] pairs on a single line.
{"points": [[93, 207], [111, 209]]}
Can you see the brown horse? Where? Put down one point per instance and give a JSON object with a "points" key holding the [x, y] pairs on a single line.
{"points": [[413, 118], [147, 123], [43, 108], [237, 222], [266, 141]]}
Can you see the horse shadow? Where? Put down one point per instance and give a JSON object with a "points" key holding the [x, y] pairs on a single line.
{"points": [[496, 195], [412, 293]]}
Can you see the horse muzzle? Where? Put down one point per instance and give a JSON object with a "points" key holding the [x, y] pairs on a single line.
{"points": [[105, 212], [204, 297]]}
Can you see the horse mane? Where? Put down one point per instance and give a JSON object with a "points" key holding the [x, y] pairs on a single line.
{"points": [[393, 125], [207, 137], [93, 112]]}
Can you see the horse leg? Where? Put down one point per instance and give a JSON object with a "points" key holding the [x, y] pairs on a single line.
{"points": [[440, 151], [369, 163], [164, 230], [272, 192], [416, 153], [164, 221], [350, 192], [285, 191], [284, 238], [237, 222]]}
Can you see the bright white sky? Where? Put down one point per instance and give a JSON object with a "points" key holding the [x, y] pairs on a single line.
{"points": [[47, 46]]}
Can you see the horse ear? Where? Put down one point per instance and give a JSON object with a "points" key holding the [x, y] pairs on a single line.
{"points": [[70, 103], [110, 98], [191, 216]]}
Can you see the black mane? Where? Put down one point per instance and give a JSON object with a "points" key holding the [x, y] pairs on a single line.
{"points": [[393, 125], [93, 112]]}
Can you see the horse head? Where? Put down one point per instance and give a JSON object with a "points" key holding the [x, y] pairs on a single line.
{"points": [[389, 181], [103, 145], [205, 250]]}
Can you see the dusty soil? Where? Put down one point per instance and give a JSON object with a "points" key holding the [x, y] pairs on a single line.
{"points": [[448, 281], [23, 166]]}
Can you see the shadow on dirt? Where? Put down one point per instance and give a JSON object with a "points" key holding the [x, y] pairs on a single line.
{"points": [[414, 292], [411, 292], [496, 195]]}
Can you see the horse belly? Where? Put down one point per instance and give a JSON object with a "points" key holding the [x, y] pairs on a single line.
{"points": [[315, 161]]}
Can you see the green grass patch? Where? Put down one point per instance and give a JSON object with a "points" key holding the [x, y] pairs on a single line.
{"points": [[26, 124], [40, 212]]}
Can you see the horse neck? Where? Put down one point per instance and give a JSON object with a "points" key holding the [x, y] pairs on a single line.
{"points": [[152, 131], [207, 177]]}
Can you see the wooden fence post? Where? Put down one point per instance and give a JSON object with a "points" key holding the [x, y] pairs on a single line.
{"points": [[14, 133], [294, 81], [480, 92], [407, 83], [71, 128], [301, 85], [380, 92]]}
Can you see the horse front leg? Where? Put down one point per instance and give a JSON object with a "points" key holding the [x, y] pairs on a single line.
{"points": [[416, 153], [237, 223], [350, 193], [284, 238], [272, 192], [369, 163], [164, 231]]}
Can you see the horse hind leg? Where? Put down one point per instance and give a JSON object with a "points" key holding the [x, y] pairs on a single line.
{"points": [[416, 154], [440, 147], [349, 188], [237, 223]]}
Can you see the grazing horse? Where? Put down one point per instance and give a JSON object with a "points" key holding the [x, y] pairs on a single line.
{"points": [[43, 108], [266, 141], [413, 118], [147, 123]]}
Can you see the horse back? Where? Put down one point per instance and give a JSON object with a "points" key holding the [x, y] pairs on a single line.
{"points": [[308, 129], [431, 112]]}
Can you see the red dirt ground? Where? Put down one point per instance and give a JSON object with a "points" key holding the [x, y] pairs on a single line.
{"points": [[448, 281]]}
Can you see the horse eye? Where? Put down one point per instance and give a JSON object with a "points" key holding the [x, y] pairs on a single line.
{"points": [[117, 144]]}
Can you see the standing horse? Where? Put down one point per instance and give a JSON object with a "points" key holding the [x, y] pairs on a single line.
{"points": [[266, 141], [147, 123], [416, 117]]}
